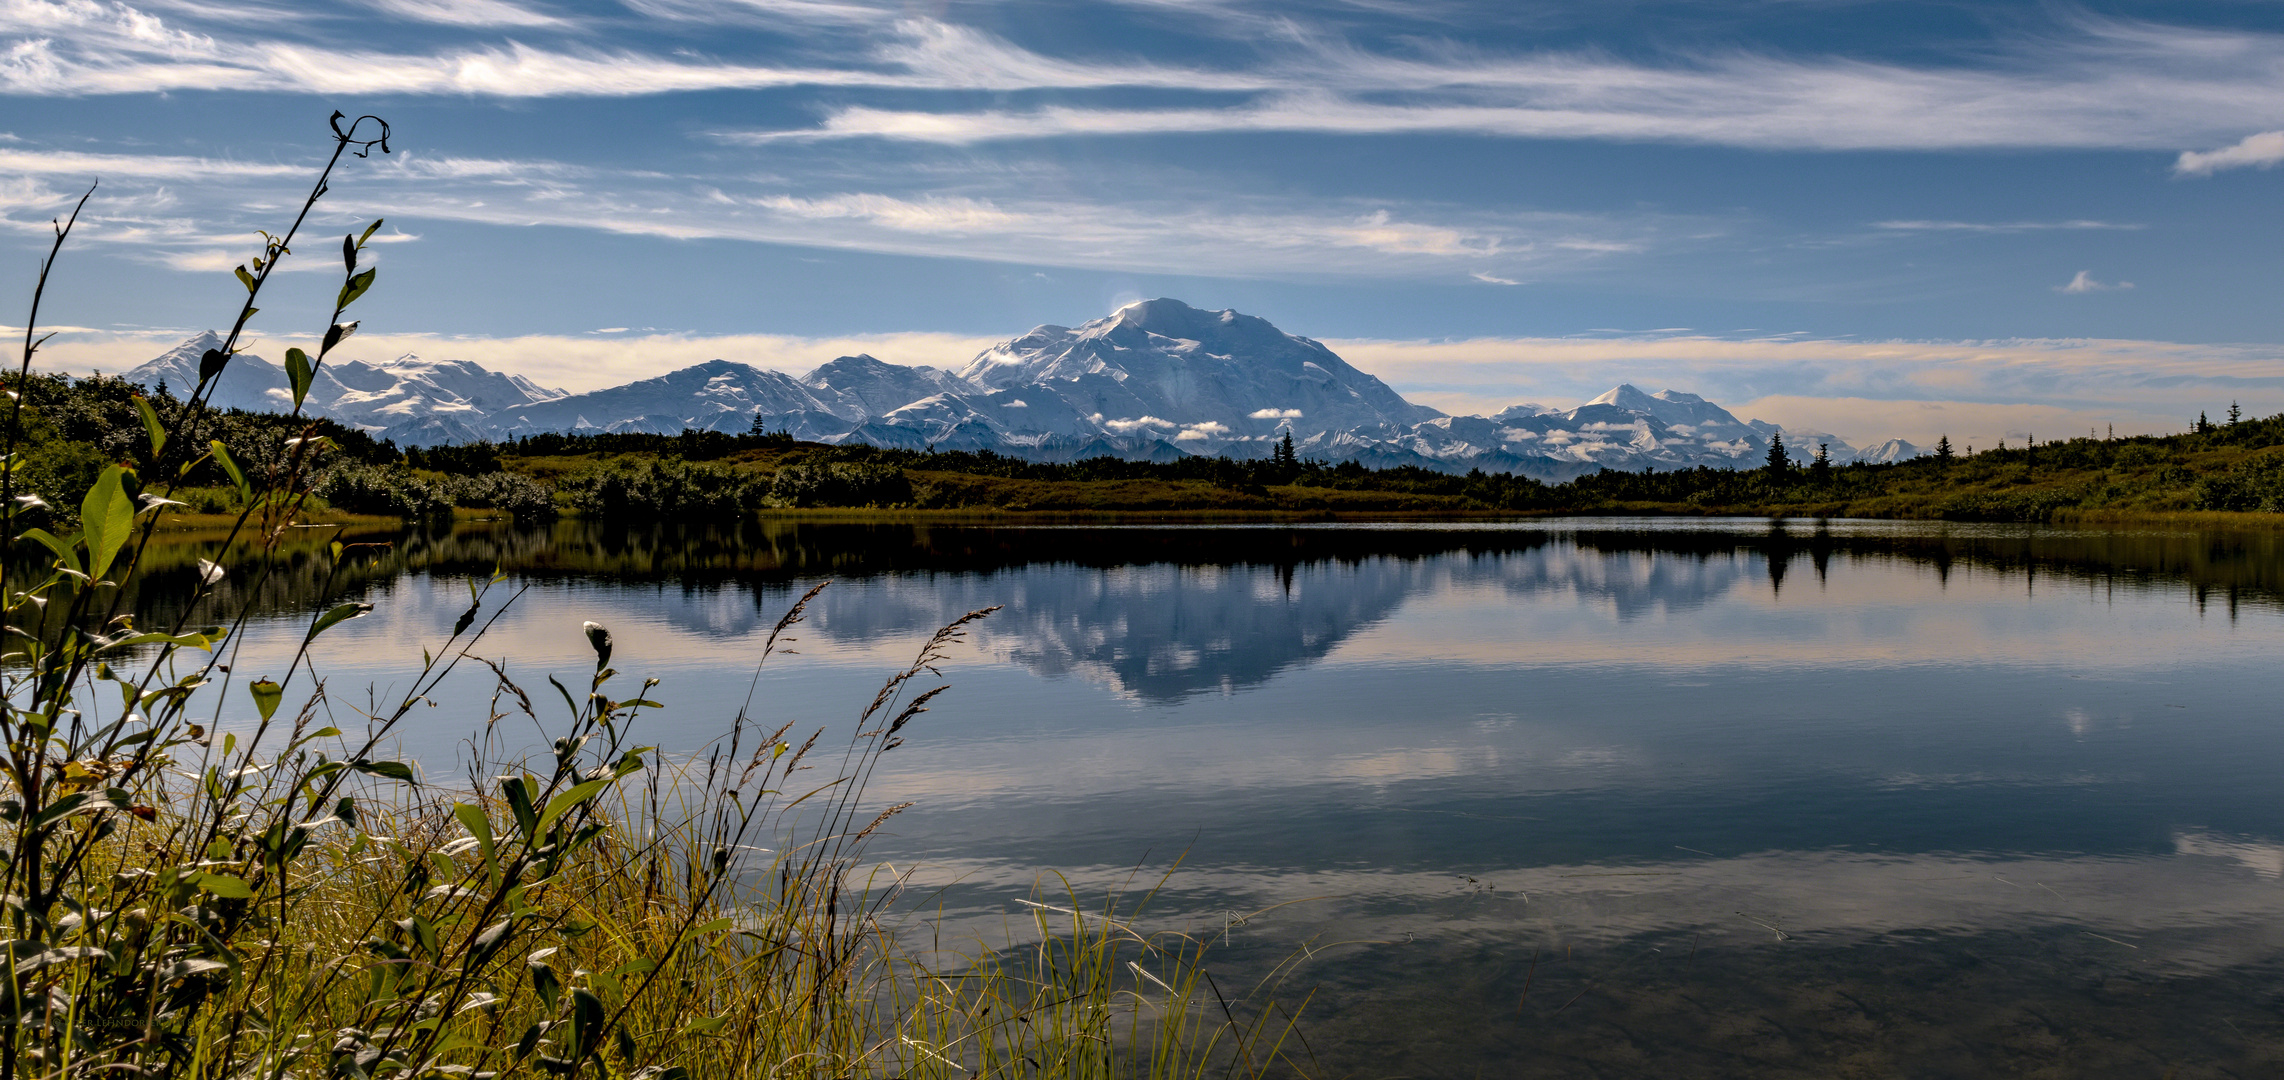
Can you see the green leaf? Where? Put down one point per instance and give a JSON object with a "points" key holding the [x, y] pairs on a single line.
{"points": [[354, 288], [479, 825], [245, 278], [394, 770], [189, 641], [298, 374], [267, 694], [562, 804], [62, 808], [369, 231], [341, 613], [586, 1023], [518, 794], [108, 517], [224, 886], [230, 465], [544, 982], [349, 254], [47, 958], [336, 334], [210, 364], [710, 1025], [65, 553], [151, 425]]}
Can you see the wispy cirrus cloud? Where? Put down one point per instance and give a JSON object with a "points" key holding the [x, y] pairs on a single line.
{"points": [[574, 362], [78, 47], [2111, 85], [70, 163], [1974, 391], [2096, 83], [480, 13], [2003, 226], [199, 214]]}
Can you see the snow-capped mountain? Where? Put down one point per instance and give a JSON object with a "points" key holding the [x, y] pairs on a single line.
{"points": [[1164, 368], [1891, 450], [414, 401], [1154, 380], [717, 395]]}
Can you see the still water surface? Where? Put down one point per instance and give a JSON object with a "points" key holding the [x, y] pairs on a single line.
{"points": [[1607, 797]]}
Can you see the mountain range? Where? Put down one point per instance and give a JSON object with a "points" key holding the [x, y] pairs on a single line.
{"points": [[1156, 380]]}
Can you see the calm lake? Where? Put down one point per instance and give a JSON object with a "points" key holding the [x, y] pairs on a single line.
{"points": [[1606, 797]]}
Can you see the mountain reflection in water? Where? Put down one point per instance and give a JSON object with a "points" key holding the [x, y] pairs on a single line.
{"points": [[1583, 797]]}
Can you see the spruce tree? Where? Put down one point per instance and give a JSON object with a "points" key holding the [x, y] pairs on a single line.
{"points": [[1943, 448], [2233, 413], [1778, 463]]}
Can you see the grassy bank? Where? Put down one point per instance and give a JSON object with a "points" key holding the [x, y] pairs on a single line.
{"points": [[2229, 475]]}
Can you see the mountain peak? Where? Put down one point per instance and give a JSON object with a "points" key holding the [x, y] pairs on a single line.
{"points": [[1625, 396], [1168, 317]]}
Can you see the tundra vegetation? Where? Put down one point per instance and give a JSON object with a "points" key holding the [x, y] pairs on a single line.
{"points": [[218, 872]]}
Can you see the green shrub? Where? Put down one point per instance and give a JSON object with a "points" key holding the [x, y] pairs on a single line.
{"points": [[391, 490], [514, 493], [469, 459], [2034, 507], [660, 490], [2256, 483], [840, 483]]}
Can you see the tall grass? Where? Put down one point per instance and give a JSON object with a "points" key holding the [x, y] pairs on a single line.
{"points": [[213, 876]]}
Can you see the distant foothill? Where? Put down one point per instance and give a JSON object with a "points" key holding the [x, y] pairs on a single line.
{"points": [[1156, 380]]}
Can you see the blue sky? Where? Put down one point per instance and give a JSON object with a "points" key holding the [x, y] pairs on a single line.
{"points": [[1873, 218]]}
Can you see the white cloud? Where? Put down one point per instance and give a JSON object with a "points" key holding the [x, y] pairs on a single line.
{"points": [[2095, 83], [467, 13], [1274, 414], [201, 213], [1999, 226], [929, 215], [572, 362], [2110, 84], [76, 165], [2084, 283], [1128, 427], [2263, 151], [1492, 279], [1210, 429], [1860, 390], [1165, 232]]}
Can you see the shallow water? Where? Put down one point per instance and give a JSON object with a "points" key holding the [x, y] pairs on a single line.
{"points": [[1586, 797]]}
